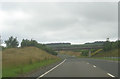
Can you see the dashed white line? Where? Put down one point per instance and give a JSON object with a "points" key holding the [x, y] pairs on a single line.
{"points": [[110, 75], [94, 66], [52, 69]]}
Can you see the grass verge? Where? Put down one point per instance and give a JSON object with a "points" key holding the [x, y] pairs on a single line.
{"points": [[102, 58], [22, 69], [107, 58]]}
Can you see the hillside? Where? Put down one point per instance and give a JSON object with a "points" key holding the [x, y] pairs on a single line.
{"points": [[17, 61], [111, 53], [24, 55]]}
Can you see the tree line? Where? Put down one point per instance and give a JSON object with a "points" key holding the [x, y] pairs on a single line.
{"points": [[108, 45], [13, 43]]}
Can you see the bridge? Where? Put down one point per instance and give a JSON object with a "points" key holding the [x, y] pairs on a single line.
{"points": [[75, 48]]}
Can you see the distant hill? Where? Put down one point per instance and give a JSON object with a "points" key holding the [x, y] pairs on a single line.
{"points": [[95, 43], [58, 44]]}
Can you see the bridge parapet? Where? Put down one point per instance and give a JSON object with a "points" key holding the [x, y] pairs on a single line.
{"points": [[76, 48]]}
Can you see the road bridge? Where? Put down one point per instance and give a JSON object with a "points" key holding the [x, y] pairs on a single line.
{"points": [[76, 48]]}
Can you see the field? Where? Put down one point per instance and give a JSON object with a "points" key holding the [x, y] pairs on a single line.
{"points": [[16, 61]]}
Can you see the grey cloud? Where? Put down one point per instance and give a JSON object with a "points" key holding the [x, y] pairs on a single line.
{"points": [[62, 22]]}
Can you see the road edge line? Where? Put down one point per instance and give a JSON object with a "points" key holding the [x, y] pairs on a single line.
{"points": [[51, 69], [110, 75]]}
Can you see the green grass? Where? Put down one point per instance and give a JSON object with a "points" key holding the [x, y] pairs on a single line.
{"points": [[107, 55], [111, 53], [103, 58], [21, 69]]}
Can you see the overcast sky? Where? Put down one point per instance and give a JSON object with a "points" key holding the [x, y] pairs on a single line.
{"points": [[75, 22]]}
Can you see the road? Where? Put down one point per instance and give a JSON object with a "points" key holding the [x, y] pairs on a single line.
{"points": [[83, 67]]}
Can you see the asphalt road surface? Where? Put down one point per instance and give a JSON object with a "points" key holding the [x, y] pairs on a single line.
{"points": [[83, 67]]}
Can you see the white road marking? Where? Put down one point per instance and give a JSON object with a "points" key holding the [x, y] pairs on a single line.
{"points": [[110, 75], [52, 69], [94, 66]]}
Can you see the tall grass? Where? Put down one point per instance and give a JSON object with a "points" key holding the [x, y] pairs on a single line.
{"points": [[17, 60], [27, 55]]}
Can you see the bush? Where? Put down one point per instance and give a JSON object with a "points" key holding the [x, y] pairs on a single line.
{"points": [[84, 52]]}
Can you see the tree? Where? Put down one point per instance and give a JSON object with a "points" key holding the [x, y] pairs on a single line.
{"points": [[33, 43], [12, 42], [27, 42], [107, 46]]}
